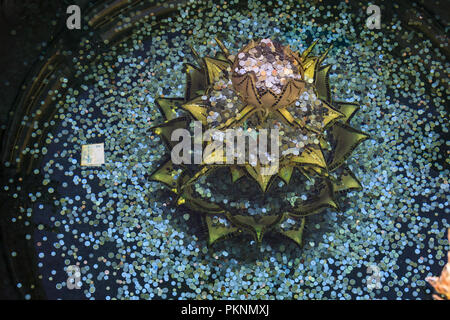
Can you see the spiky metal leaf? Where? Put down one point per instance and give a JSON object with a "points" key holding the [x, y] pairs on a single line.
{"points": [[169, 106], [166, 129], [197, 109], [256, 226], [196, 81], [295, 234], [325, 199], [166, 174], [309, 157], [347, 139], [216, 233], [214, 68], [286, 173], [264, 180], [236, 173], [346, 181], [348, 109], [322, 83]]}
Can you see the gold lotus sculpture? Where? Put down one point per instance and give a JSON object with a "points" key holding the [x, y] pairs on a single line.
{"points": [[244, 84], [317, 137]]}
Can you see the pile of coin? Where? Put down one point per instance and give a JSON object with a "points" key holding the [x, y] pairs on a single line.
{"points": [[310, 108], [270, 63], [222, 102]]}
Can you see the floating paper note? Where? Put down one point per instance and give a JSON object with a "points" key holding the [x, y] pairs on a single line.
{"points": [[93, 154]]}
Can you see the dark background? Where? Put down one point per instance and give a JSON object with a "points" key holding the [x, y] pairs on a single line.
{"points": [[28, 26], [26, 29]]}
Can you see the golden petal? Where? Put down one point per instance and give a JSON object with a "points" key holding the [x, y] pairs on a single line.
{"points": [[256, 227], [322, 84], [348, 109], [331, 116], [221, 56], [195, 82], [196, 55], [323, 56], [264, 181], [290, 93], [323, 200], [317, 170], [198, 109], [347, 139], [195, 203], [199, 205], [324, 144], [245, 86], [222, 46], [204, 171], [214, 68], [166, 174], [310, 157], [309, 65], [346, 182], [285, 173], [167, 106], [288, 117], [305, 171], [217, 232], [245, 113], [165, 129], [306, 53], [295, 234], [236, 173]]}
